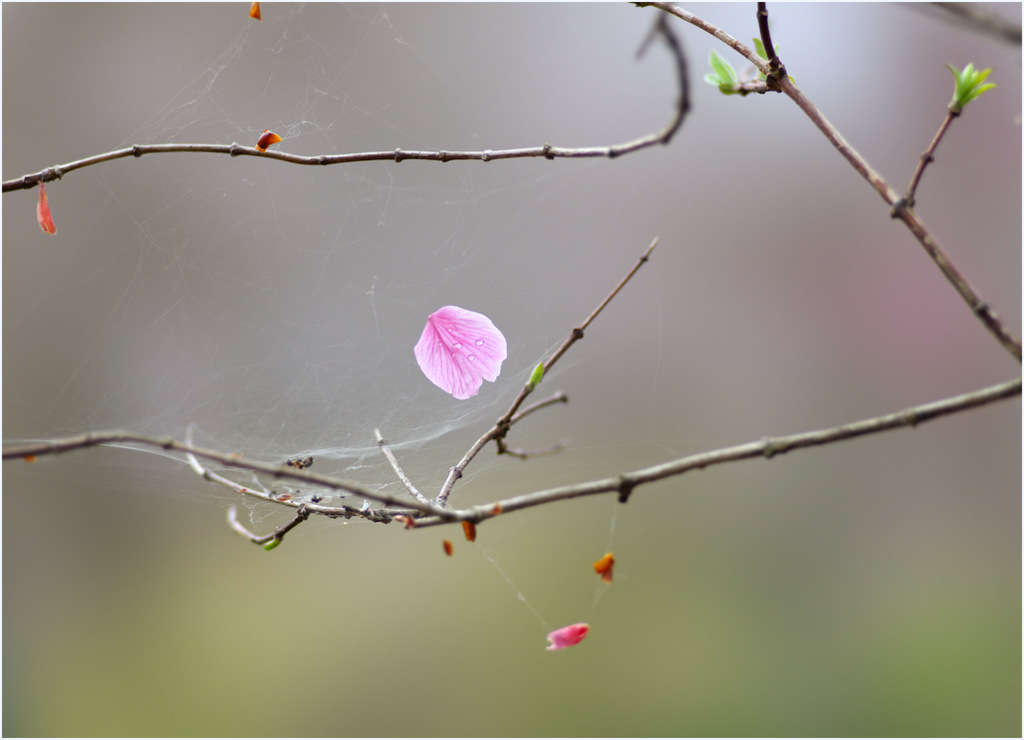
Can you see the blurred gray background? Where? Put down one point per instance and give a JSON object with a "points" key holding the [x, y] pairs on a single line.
{"points": [[872, 587]]}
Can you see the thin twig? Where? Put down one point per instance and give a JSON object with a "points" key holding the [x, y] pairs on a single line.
{"points": [[769, 447], [527, 454], [547, 151], [301, 515], [898, 208], [774, 64], [386, 449], [501, 427], [559, 397], [718, 33], [926, 157]]}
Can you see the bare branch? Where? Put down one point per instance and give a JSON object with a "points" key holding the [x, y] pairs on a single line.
{"points": [[382, 443], [547, 151], [623, 484], [927, 157], [774, 64], [121, 438], [276, 537], [768, 447], [501, 427], [898, 206], [559, 397]]}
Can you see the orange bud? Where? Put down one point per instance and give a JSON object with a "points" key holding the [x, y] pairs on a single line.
{"points": [[448, 547], [29, 458], [254, 12], [603, 567], [43, 212], [267, 138], [470, 529]]}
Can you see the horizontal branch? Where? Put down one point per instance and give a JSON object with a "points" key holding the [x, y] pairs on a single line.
{"points": [[623, 484], [768, 447], [546, 151], [31, 450]]}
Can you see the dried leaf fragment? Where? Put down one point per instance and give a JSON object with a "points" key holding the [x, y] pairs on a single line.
{"points": [[254, 12], [267, 139], [603, 567], [567, 636], [43, 212], [448, 547], [470, 529]]}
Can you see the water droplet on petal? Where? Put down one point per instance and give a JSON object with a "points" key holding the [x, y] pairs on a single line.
{"points": [[442, 355]]}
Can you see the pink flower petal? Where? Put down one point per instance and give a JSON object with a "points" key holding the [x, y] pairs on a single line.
{"points": [[460, 349], [567, 636]]}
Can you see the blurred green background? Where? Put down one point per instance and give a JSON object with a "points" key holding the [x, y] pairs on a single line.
{"points": [[867, 588]]}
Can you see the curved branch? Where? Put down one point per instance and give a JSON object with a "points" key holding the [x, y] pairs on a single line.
{"points": [[547, 151]]}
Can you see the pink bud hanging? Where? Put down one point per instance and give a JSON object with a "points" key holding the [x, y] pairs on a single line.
{"points": [[460, 349], [567, 636]]}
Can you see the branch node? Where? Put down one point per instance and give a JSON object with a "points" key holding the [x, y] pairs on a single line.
{"points": [[399, 155], [899, 207], [626, 486], [546, 149]]}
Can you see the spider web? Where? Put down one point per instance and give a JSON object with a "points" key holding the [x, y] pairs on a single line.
{"points": [[271, 309]]}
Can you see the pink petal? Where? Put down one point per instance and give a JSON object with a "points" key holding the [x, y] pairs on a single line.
{"points": [[460, 349], [567, 636]]}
